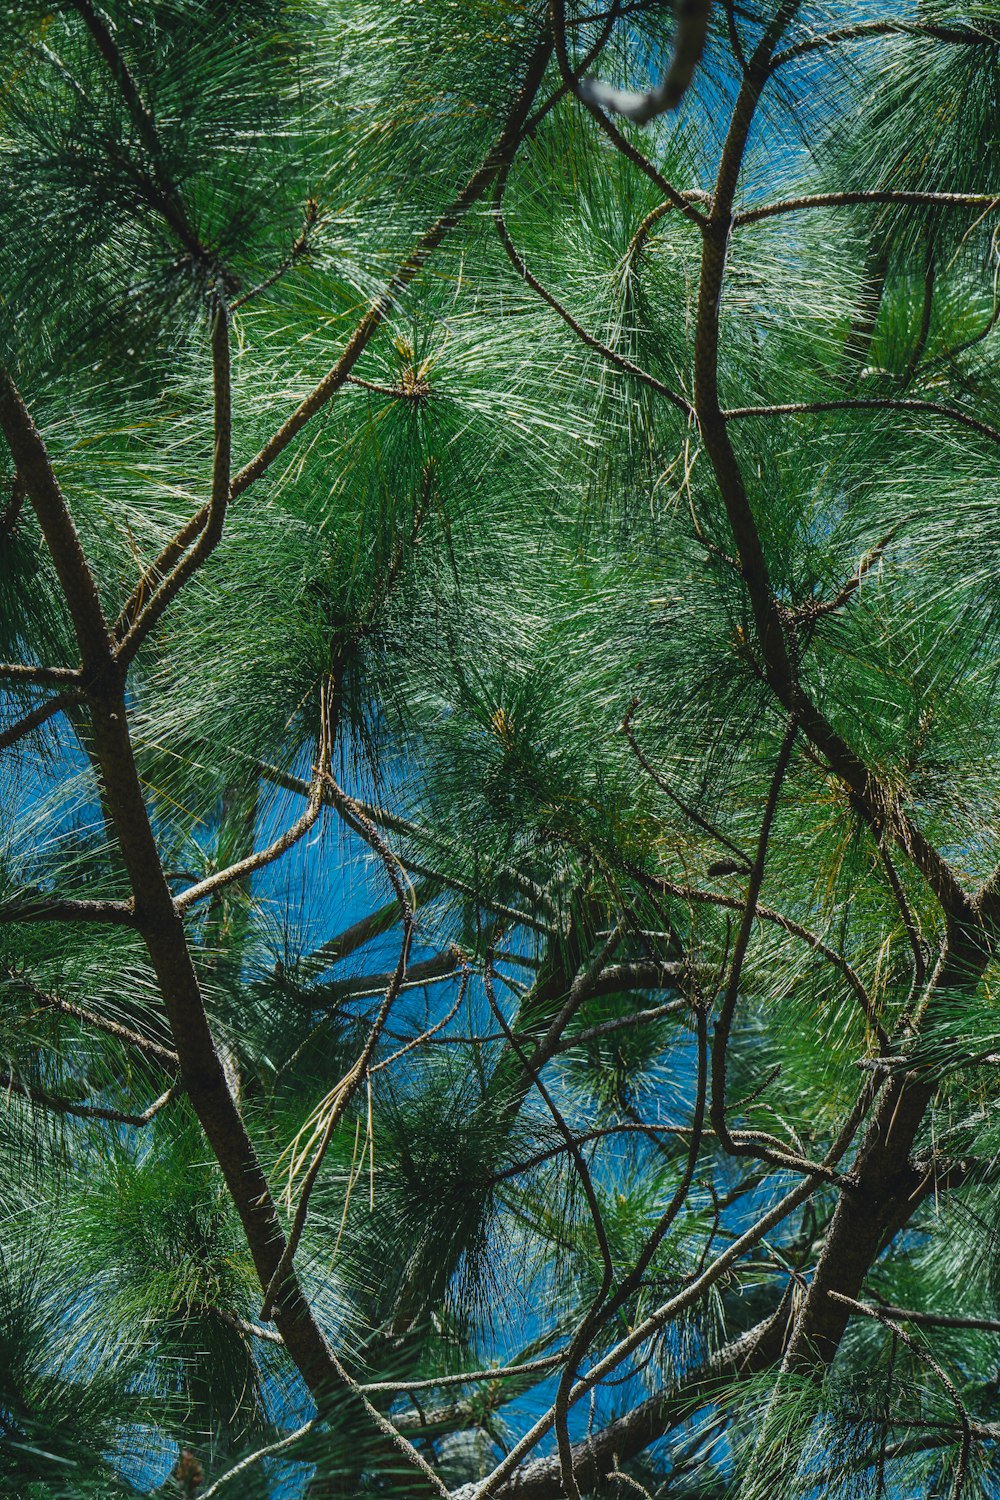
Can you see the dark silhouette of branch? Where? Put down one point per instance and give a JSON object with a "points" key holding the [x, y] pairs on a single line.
{"points": [[161, 192], [58, 1104], [37, 717], [752, 1142], [581, 1338], [658, 780], [960, 36], [335, 1106], [135, 624]]}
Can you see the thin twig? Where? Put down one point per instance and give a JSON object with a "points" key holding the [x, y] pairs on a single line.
{"points": [[137, 621], [163, 1055], [337, 1102], [425, 1036], [581, 1338], [664, 786], [928, 1359], [301, 826], [604, 350], [865, 30], [466, 1377], [557, 17], [270, 1451], [815, 609], [300, 247]]}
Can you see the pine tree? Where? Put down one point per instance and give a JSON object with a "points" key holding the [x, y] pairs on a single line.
{"points": [[499, 887]]}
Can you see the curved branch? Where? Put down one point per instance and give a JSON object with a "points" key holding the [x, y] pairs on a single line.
{"points": [[431, 1031], [403, 826], [618, 360], [62, 1106], [689, 44], [960, 36], [347, 1087], [659, 781], [793, 928], [271, 1450], [134, 626]]}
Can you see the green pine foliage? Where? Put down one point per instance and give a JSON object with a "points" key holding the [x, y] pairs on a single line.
{"points": [[597, 796]]}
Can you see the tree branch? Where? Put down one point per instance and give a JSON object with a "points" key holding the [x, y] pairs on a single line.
{"points": [[62, 1106], [37, 717], [135, 624], [44, 676], [619, 361], [165, 1056], [333, 1108], [864, 30], [557, 20], [866, 403], [113, 913], [292, 835], [928, 1359], [874, 195]]}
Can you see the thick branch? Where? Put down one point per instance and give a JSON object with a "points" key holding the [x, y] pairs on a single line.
{"points": [[113, 913], [13, 671]]}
